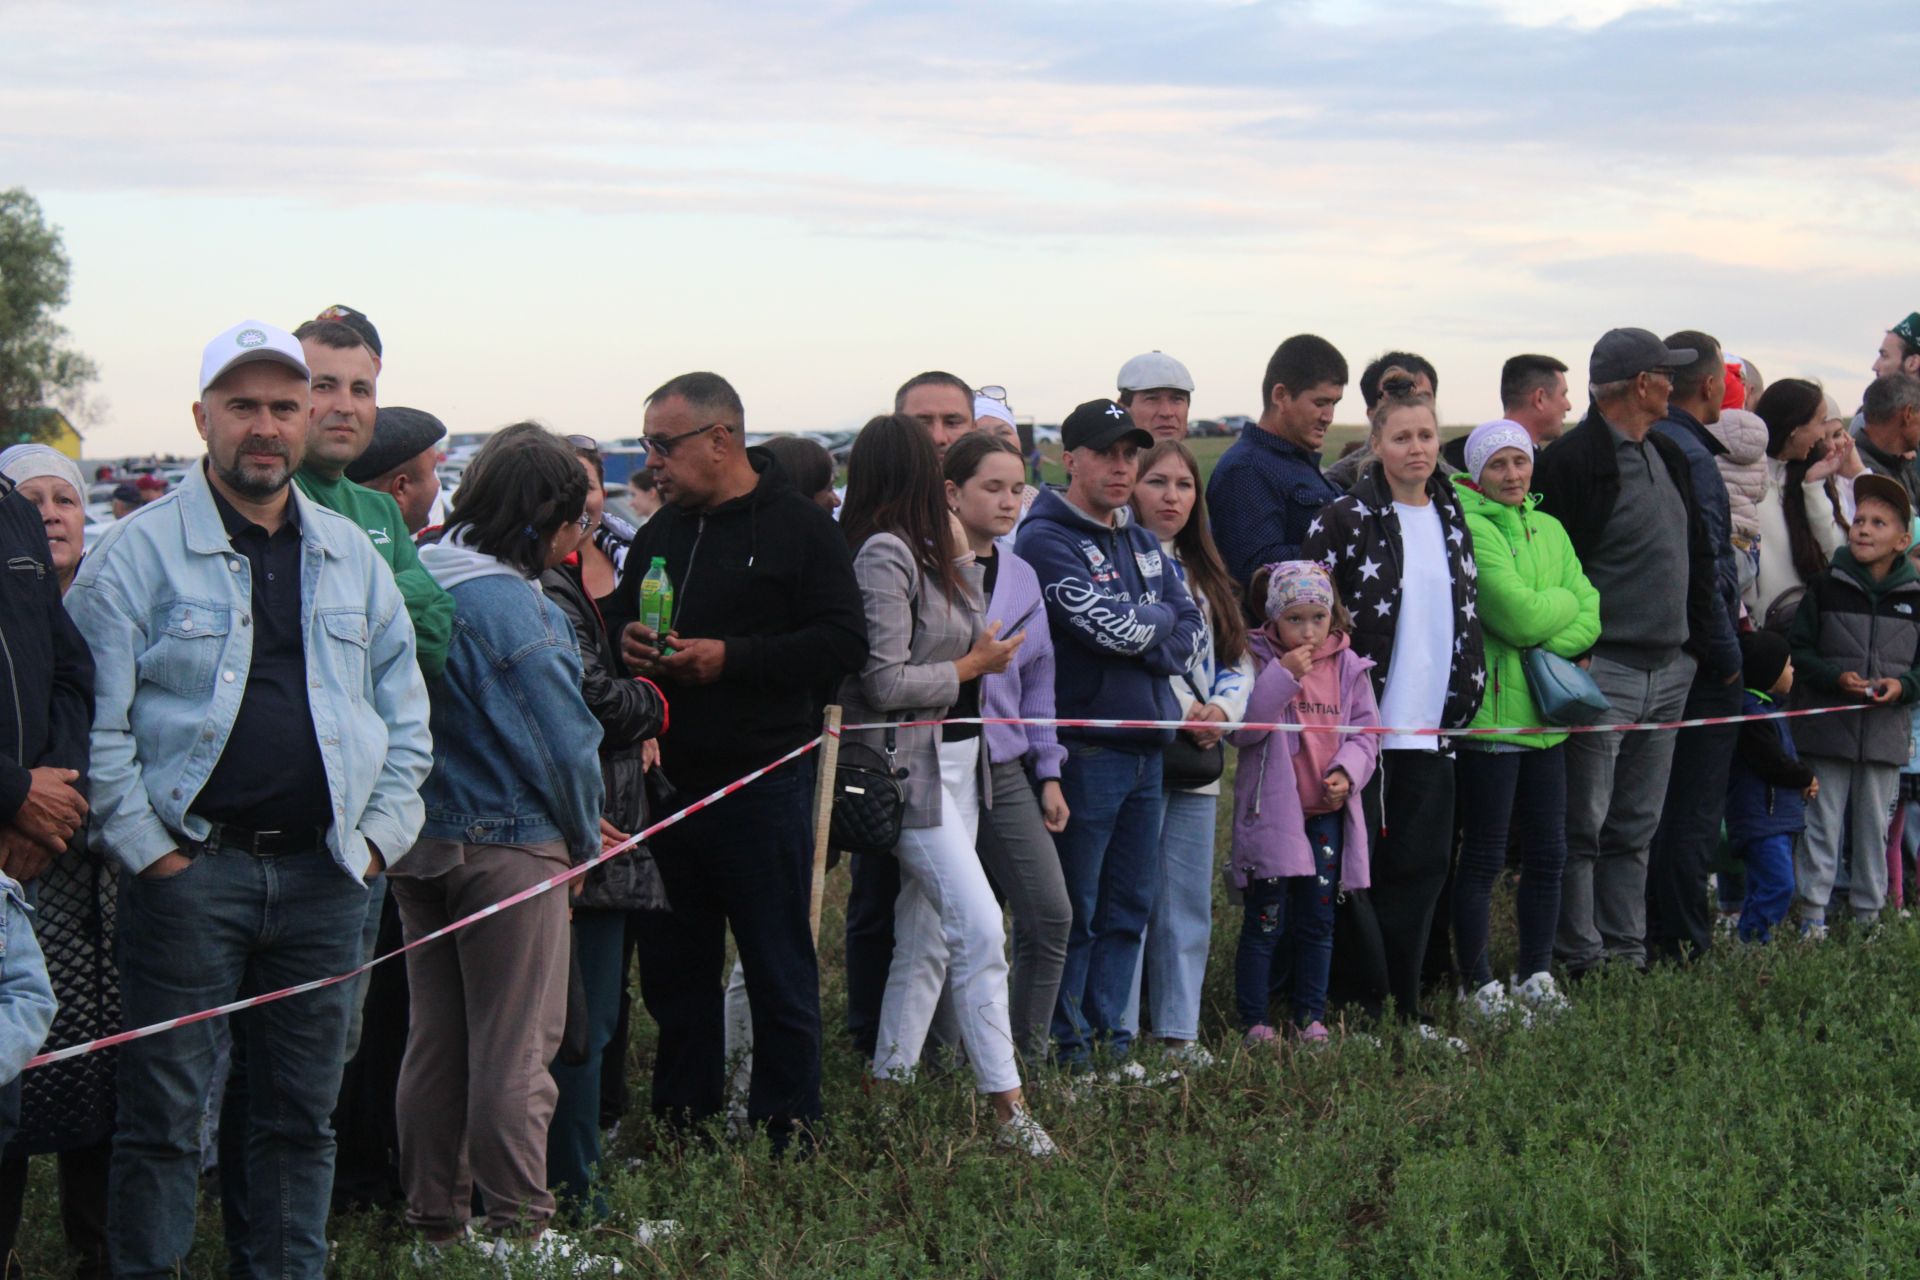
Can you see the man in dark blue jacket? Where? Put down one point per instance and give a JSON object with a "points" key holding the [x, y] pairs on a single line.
{"points": [[1678, 861], [1119, 609], [1267, 486]]}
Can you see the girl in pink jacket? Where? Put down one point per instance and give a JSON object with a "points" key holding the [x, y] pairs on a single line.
{"points": [[1299, 838]]}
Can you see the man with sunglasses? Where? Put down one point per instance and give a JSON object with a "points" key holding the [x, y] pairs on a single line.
{"points": [[1626, 496], [766, 612]]}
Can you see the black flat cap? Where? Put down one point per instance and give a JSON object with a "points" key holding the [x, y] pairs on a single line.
{"points": [[399, 435], [358, 322]]}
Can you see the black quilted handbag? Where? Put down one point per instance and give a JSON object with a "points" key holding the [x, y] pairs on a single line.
{"points": [[869, 804]]}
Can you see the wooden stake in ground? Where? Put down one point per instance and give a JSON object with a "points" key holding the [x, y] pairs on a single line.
{"points": [[828, 761]]}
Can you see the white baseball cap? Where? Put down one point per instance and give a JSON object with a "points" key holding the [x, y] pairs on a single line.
{"points": [[1154, 370], [248, 341]]}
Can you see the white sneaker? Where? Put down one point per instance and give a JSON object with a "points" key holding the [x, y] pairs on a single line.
{"points": [[1489, 1003], [1542, 995], [549, 1253], [1191, 1056], [1022, 1133], [1433, 1035]]}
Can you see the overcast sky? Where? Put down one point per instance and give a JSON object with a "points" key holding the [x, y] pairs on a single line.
{"points": [[820, 199]]}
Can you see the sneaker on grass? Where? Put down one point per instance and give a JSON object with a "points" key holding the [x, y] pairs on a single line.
{"points": [[1131, 1072], [1489, 1004], [1257, 1035], [1542, 995], [549, 1254], [1022, 1133]]}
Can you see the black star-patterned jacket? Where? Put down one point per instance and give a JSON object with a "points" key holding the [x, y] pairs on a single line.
{"points": [[1358, 538]]}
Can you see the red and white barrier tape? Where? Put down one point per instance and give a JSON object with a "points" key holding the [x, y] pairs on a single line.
{"points": [[1230, 726], [534, 891]]}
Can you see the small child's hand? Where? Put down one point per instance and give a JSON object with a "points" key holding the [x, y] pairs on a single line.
{"points": [[1298, 661], [1813, 789], [1337, 786], [1885, 690]]}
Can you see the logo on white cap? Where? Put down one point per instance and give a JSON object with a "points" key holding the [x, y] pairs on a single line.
{"points": [[250, 338]]}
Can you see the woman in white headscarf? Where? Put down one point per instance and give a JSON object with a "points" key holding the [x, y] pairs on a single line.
{"points": [[51, 481], [67, 1108]]}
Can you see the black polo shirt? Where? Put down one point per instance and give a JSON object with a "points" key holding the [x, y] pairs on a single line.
{"points": [[270, 776]]}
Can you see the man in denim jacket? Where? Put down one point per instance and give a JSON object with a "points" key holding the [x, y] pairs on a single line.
{"points": [[259, 740]]}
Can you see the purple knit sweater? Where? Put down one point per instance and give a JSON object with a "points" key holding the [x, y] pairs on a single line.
{"points": [[1026, 687]]}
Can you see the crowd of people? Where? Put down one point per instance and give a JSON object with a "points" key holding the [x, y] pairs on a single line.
{"points": [[275, 723]]}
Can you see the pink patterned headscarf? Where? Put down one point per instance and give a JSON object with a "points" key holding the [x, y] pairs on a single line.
{"points": [[1291, 582]]}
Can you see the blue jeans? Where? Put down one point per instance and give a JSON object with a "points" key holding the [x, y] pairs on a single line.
{"points": [[1180, 926], [1769, 885], [1298, 909], [232, 923], [1495, 789], [573, 1139], [1110, 857]]}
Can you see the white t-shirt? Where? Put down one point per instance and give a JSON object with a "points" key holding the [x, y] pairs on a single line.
{"points": [[1416, 694]]}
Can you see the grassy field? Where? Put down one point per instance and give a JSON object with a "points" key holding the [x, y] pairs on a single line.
{"points": [[1755, 1115]]}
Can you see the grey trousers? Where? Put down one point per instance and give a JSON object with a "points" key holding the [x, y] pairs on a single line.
{"points": [[1865, 793], [1017, 851], [1616, 788], [489, 1009]]}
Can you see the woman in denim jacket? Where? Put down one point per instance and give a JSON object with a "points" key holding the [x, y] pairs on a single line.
{"points": [[514, 797]]}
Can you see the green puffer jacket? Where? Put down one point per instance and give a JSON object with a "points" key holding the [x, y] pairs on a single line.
{"points": [[1532, 592]]}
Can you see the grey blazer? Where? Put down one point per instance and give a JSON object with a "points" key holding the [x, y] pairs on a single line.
{"points": [[913, 639]]}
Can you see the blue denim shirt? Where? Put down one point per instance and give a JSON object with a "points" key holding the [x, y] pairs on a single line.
{"points": [[518, 758], [166, 604], [1263, 494], [26, 996]]}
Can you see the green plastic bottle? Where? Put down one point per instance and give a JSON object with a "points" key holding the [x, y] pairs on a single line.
{"points": [[656, 600]]}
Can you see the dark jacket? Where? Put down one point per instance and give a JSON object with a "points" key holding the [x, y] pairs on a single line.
{"points": [[1263, 493], [630, 711], [1765, 783], [1715, 516], [1358, 538], [1849, 622], [770, 574], [1578, 481], [1121, 620], [46, 669]]}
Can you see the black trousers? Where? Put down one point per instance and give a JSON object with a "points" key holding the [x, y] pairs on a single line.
{"points": [[1409, 808], [870, 903], [744, 863], [83, 1208], [1679, 919]]}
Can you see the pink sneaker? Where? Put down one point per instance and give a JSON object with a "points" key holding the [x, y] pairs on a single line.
{"points": [[1314, 1033], [1259, 1034]]}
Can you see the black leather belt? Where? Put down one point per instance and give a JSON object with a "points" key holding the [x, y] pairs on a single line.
{"points": [[264, 844]]}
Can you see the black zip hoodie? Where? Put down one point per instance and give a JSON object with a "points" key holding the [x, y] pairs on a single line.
{"points": [[770, 574], [46, 669]]}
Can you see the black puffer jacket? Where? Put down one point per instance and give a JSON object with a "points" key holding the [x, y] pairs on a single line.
{"points": [[630, 711], [1358, 538], [46, 669]]}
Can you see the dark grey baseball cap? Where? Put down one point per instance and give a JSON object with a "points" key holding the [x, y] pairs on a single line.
{"points": [[1626, 353]]}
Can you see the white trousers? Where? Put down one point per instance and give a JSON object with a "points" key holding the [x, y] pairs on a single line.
{"points": [[947, 933]]}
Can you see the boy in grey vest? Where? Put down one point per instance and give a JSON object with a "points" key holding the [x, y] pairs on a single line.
{"points": [[1856, 639]]}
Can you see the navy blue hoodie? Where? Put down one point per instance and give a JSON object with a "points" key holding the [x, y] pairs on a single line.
{"points": [[1122, 621]]}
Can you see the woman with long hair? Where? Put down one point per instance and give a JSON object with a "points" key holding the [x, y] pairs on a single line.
{"points": [[615, 898], [1401, 558], [928, 649], [514, 797], [1811, 463], [986, 480], [1170, 501]]}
